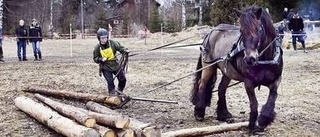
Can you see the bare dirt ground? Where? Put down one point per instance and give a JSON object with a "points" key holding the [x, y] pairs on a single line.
{"points": [[297, 106]]}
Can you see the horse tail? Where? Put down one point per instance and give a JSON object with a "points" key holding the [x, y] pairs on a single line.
{"points": [[206, 97]]}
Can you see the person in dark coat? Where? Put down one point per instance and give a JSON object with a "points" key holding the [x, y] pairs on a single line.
{"points": [[35, 34], [105, 55], [21, 34], [296, 27]]}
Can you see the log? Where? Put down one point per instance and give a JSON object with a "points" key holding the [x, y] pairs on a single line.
{"points": [[104, 132], [52, 119], [66, 110], [107, 120], [112, 100], [205, 130], [140, 128]]}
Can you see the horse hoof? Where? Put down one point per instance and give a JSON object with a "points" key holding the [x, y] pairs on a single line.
{"points": [[227, 116], [199, 118], [255, 130], [199, 113]]}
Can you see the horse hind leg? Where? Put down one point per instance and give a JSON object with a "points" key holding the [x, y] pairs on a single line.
{"points": [[267, 113], [222, 111], [206, 84]]}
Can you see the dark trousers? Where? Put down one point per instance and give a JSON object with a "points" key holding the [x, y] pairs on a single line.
{"points": [[21, 52], [300, 36], [108, 75], [1, 52]]}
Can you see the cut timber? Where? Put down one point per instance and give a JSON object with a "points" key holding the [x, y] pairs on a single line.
{"points": [[108, 120], [104, 132], [66, 110], [205, 130], [140, 128], [53, 120], [76, 95]]}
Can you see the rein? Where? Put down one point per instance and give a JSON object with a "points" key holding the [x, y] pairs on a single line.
{"points": [[260, 54]]}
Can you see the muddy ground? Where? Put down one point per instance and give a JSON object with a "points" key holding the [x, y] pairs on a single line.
{"points": [[297, 106]]}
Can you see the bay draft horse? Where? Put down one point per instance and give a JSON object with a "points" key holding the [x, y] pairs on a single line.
{"points": [[259, 63]]}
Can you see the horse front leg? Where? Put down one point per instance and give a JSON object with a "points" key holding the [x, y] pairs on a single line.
{"points": [[222, 110], [253, 106], [204, 94], [267, 113]]}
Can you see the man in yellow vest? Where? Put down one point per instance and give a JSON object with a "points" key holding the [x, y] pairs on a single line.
{"points": [[105, 55]]}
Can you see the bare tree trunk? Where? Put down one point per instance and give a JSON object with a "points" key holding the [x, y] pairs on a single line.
{"points": [[205, 130], [52, 119], [75, 114], [183, 13], [76, 95]]}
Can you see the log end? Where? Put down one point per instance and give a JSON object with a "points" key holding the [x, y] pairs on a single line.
{"points": [[91, 133], [152, 131], [110, 133], [126, 133], [122, 122], [90, 122], [113, 100]]}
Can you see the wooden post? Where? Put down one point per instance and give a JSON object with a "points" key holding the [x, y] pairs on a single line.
{"points": [[75, 114], [192, 132], [52, 119], [76, 95]]}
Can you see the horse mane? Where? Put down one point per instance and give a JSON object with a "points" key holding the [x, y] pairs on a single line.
{"points": [[251, 26]]}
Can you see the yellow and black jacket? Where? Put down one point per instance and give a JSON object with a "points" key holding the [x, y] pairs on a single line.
{"points": [[108, 51]]}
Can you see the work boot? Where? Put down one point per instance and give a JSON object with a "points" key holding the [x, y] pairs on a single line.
{"points": [[35, 58], [113, 92]]}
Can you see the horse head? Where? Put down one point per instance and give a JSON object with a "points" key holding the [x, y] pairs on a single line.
{"points": [[253, 33]]}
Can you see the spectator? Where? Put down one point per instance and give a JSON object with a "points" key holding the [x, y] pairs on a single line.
{"points": [[281, 29], [296, 27], [285, 17], [35, 34], [21, 34]]}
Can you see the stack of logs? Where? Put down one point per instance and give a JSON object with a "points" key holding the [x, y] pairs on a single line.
{"points": [[98, 120]]}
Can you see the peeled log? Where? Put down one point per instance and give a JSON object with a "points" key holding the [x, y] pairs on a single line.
{"points": [[66, 110], [104, 132], [76, 95], [53, 120], [140, 128], [205, 130]]}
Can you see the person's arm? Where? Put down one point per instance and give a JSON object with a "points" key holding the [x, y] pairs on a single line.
{"points": [[40, 34], [96, 55], [301, 24]]}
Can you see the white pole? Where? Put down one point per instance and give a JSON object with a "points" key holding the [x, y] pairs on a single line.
{"points": [[161, 34], [70, 40], [82, 32]]}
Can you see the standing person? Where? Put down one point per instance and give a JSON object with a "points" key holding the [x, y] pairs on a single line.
{"points": [[21, 34], [105, 55], [285, 17], [1, 51], [35, 34], [296, 27]]}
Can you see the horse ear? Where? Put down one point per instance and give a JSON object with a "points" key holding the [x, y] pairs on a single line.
{"points": [[258, 13], [238, 12]]}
